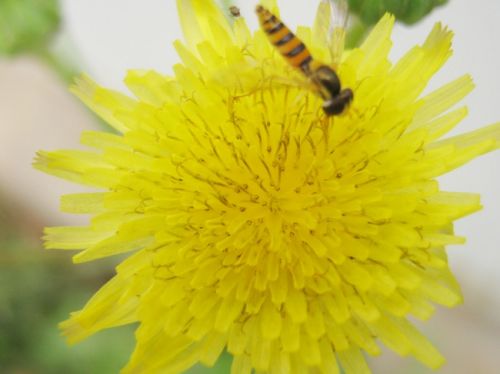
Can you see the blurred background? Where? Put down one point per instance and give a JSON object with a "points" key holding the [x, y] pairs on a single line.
{"points": [[44, 43]]}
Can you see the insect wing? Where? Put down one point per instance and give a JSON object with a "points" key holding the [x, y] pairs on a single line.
{"points": [[339, 17], [321, 27]]}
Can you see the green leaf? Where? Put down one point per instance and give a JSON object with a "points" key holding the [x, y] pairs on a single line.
{"points": [[27, 25], [407, 11]]}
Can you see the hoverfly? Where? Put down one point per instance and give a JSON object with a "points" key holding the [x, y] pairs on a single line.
{"points": [[323, 77]]}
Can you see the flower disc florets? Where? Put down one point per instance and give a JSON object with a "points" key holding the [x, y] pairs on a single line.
{"points": [[293, 240]]}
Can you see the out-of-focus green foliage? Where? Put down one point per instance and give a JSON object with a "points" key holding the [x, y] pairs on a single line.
{"points": [[223, 366], [407, 11], [38, 289], [27, 25], [366, 13]]}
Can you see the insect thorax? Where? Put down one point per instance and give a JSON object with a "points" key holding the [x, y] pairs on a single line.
{"points": [[326, 78]]}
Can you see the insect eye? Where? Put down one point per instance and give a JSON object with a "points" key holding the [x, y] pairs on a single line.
{"points": [[333, 107]]}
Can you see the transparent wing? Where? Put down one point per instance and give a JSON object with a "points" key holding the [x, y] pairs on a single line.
{"points": [[339, 15], [322, 24]]}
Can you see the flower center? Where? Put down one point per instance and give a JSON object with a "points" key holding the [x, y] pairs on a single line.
{"points": [[273, 204]]}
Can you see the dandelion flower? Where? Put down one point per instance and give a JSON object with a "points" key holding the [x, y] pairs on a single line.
{"points": [[257, 225]]}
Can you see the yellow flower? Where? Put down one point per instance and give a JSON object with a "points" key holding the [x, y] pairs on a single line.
{"points": [[257, 225]]}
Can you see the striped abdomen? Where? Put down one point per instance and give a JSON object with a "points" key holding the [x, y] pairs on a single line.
{"points": [[291, 47]]}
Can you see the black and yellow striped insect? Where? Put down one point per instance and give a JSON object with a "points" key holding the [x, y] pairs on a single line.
{"points": [[323, 77]]}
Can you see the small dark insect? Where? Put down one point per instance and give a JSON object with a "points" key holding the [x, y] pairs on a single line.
{"points": [[235, 11]]}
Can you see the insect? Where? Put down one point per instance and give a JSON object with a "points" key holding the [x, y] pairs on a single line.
{"points": [[323, 77], [235, 11]]}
